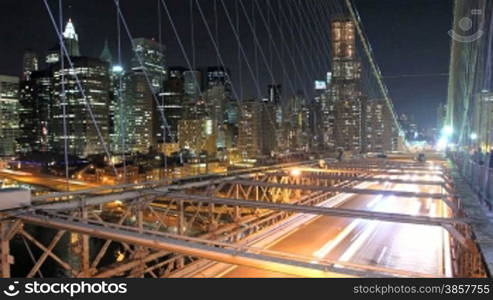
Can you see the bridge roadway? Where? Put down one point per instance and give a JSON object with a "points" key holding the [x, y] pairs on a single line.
{"points": [[415, 248], [47, 181], [325, 235]]}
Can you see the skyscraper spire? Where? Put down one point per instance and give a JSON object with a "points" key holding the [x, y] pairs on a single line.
{"points": [[69, 32], [106, 53], [29, 63], [71, 39]]}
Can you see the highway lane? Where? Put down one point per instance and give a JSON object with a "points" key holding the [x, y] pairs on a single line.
{"points": [[414, 248], [47, 181]]}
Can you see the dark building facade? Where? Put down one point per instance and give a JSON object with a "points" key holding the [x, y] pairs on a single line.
{"points": [[35, 112]]}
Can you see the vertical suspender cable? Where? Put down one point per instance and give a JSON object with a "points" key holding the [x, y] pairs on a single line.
{"points": [[311, 35], [121, 105], [211, 37], [63, 98], [307, 43], [192, 35], [373, 65], [80, 87], [190, 64], [141, 62], [256, 40], [283, 40], [216, 25], [160, 37], [240, 61], [270, 43], [254, 44], [487, 86]]}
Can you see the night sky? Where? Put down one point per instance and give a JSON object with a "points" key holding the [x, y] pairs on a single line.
{"points": [[409, 37]]}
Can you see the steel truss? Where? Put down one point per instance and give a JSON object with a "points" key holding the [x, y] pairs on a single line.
{"points": [[161, 229]]}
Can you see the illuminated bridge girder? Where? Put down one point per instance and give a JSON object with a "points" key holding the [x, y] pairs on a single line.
{"points": [[222, 252], [338, 189], [335, 212]]}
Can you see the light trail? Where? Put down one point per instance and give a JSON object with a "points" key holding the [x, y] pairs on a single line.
{"points": [[17, 173], [405, 247]]}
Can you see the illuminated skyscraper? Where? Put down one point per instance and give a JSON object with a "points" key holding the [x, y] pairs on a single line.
{"points": [[193, 83], [9, 114], [71, 41], [29, 64], [275, 93], [194, 105], [345, 92], [219, 76], [268, 126], [197, 136], [249, 141], [216, 100], [172, 97], [140, 115], [379, 130], [323, 116], [295, 124], [150, 57], [34, 112], [83, 139], [256, 130]]}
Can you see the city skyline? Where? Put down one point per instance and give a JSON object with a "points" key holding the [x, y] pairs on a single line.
{"points": [[81, 106], [412, 60]]}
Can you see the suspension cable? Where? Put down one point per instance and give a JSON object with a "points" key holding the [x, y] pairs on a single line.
{"points": [[180, 43], [123, 130], [284, 41], [374, 66], [250, 23], [141, 62], [192, 35], [317, 45], [162, 106], [63, 98], [240, 61], [299, 30], [211, 37], [257, 44]]}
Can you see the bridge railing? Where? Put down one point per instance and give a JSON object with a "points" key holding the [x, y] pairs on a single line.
{"points": [[478, 175]]}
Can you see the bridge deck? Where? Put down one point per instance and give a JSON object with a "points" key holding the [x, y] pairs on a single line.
{"points": [[385, 210], [481, 223]]}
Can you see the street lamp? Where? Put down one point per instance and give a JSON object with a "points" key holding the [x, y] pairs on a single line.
{"points": [[295, 172], [474, 136], [448, 131], [445, 138]]}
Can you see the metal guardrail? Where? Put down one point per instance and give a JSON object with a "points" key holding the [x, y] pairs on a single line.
{"points": [[102, 190], [478, 175], [270, 260]]}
